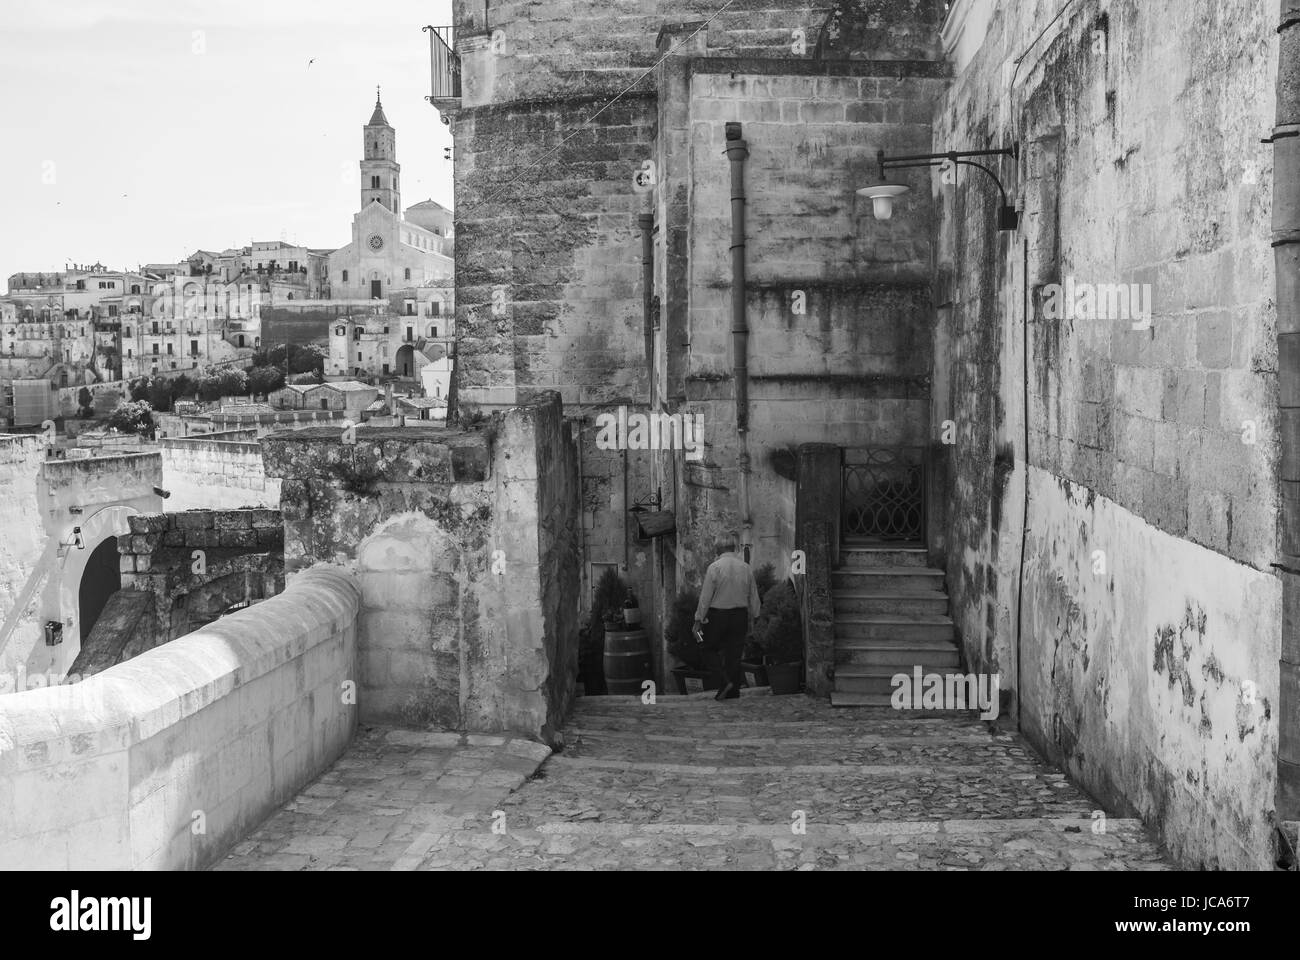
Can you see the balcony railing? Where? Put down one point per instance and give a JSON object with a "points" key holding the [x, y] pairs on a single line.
{"points": [[445, 64]]}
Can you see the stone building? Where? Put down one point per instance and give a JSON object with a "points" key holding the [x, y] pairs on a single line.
{"points": [[1092, 496], [412, 340]]}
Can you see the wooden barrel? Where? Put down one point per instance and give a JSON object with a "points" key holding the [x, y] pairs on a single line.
{"points": [[627, 661]]}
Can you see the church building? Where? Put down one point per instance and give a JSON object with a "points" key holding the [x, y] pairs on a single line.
{"points": [[389, 251]]}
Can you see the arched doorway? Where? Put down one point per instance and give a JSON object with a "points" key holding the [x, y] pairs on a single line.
{"points": [[406, 361], [100, 580]]}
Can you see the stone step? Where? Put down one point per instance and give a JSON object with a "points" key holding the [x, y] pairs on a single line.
{"points": [[877, 556], [899, 658], [840, 698], [852, 604], [887, 578], [895, 628], [877, 679]]}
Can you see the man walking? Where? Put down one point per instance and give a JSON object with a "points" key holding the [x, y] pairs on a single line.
{"points": [[728, 602]]}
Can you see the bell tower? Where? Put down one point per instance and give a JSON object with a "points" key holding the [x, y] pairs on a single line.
{"points": [[380, 171]]}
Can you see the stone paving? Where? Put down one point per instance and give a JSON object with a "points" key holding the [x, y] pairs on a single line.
{"points": [[688, 783], [369, 810]]}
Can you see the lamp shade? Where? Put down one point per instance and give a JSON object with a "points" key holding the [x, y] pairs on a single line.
{"points": [[882, 197]]}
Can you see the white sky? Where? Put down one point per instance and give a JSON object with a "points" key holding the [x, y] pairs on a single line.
{"points": [[157, 150]]}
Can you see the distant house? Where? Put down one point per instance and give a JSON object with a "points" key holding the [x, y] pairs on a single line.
{"points": [[348, 396], [291, 396], [421, 408]]}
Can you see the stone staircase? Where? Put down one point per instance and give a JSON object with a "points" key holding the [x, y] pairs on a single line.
{"points": [[891, 615]]}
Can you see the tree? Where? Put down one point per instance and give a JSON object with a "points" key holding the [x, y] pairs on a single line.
{"points": [[139, 388], [86, 402], [132, 416], [302, 359], [208, 387], [264, 380], [234, 383], [160, 395], [182, 386], [225, 383]]}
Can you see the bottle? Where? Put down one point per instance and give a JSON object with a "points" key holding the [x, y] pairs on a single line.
{"points": [[631, 612]]}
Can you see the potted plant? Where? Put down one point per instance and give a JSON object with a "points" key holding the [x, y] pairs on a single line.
{"points": [[695, 674], [751, 659], [605, 607], [780, 634]]}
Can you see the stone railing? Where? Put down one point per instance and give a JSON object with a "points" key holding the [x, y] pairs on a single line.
{"points": [[167, 760]]}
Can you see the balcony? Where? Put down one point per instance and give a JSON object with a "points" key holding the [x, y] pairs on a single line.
{"points": [[444, 70]]}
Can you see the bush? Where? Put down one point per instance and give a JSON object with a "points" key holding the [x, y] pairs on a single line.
{"points": [[160, 395], [182, 386], [765, 578], [226, 383], [678, 633], [85, 403], [265, 380], [302, 359], [608, 598], [779, 630], [132, 416], [139, 389]]}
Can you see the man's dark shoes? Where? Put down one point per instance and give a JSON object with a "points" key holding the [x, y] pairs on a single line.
{"points": [[727, 692]]}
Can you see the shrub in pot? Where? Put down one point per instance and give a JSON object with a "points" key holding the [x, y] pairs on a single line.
{"points": [[780, 633], [606, 606]]}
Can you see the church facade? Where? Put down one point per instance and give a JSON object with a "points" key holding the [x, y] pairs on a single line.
{"points": [[389, 251]]}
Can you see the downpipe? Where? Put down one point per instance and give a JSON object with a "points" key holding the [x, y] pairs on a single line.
{"points": [[1286, 245], [737, 154]]}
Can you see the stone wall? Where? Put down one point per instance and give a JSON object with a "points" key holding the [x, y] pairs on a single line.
{"points": [[1146, 660], [463, 544], [216, 474], [22, 544], [165, 762], [181, 571], [838, 304], [549, 276], [96, 496]]}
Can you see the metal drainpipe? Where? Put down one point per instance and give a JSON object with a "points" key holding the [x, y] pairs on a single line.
{"points": [[738, 153], [1286, 244], [647, 222]]}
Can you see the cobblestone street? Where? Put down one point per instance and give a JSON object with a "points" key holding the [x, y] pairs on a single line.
{"points": [[689, 783]]}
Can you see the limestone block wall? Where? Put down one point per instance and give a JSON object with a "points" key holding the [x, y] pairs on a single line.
{"points": [[549, 281], [22, 544], [1151, 612], [216, 474], [164, 762], [839, 305], [463, 544], [97, 496]]}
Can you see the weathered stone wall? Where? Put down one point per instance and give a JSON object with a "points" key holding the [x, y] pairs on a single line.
{"points": [[838, 304], [1146, 661], [182, 571], [22, 543], [216, 474], [97, 496], [549, 281], [462, 544], [105, 774]]}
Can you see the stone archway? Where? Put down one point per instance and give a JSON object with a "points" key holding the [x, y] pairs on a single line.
{"points": [[106, 524], [100, 580], [406, 361]]}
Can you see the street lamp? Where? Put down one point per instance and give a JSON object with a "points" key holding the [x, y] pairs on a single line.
{"points": [[882, 194]]}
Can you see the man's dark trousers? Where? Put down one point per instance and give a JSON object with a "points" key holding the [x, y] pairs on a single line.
{"points": [[724, 634]]}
